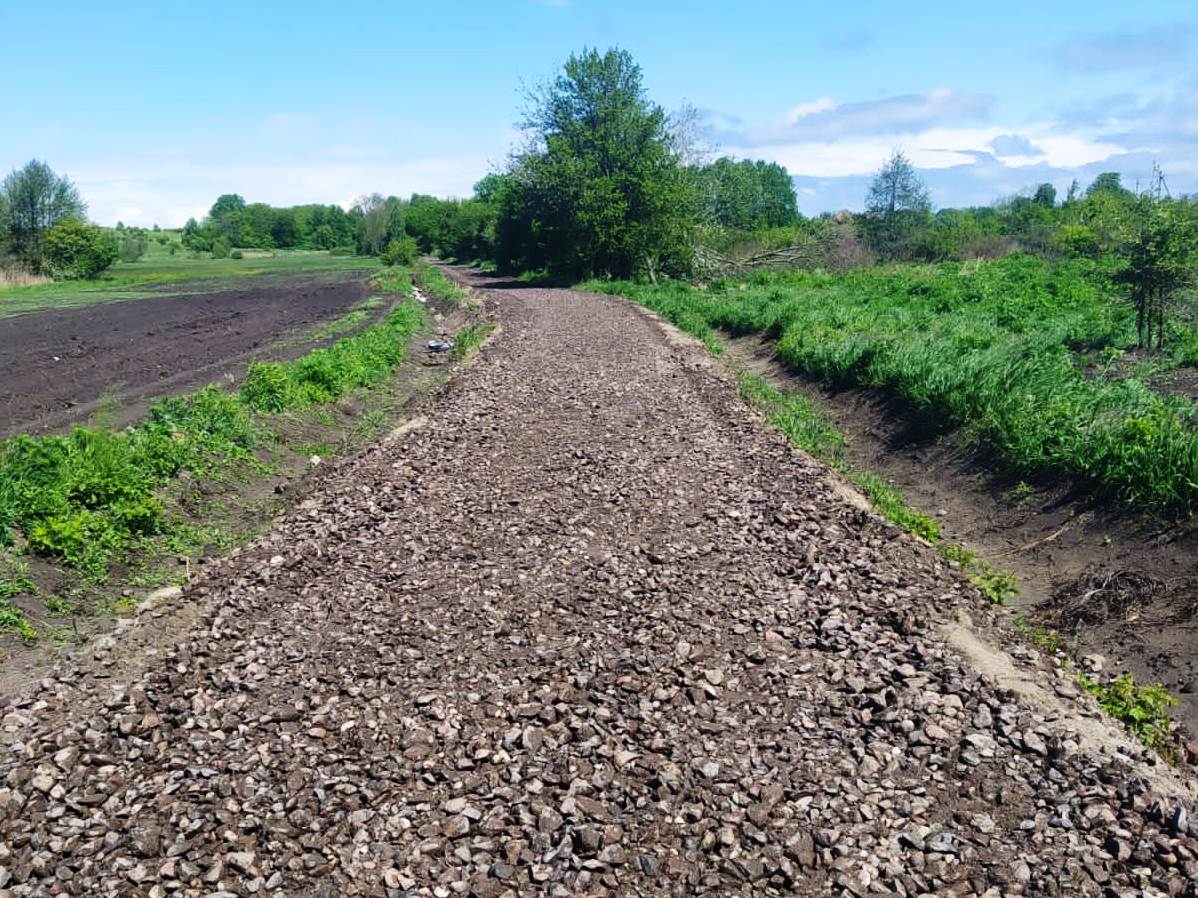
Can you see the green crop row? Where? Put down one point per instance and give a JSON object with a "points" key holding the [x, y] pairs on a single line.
{"points": [[1002, 349], [88, 498]]}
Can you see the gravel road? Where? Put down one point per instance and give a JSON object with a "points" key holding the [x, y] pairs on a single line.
{"points": [[592, 629]]}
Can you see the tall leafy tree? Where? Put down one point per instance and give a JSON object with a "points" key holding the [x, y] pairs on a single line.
{"points": [[36, 199], [747, 195], [600, 190]]}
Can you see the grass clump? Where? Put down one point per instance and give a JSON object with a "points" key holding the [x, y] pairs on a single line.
{"points": [[324, 375], [14, 581], [433, 281], [1142, 709], [997, 585], [466, 343]]}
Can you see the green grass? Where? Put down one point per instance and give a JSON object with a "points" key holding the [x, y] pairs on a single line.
{"points": [[1004, 350], [14, 581], [468, 340], [130, 280], [433, 281], [91, 498]]}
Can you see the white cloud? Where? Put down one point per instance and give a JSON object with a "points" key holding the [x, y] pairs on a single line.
{"points": [[168, 194]]}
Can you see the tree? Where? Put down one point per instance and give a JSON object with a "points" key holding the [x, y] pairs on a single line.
{"points": [[747, 195], [382, 220], [897, 188], [1045, 195], [1108, 182], [401, 251], [599, 189], [36, 199], [1161, 246], [226, 220], [76, 249], [896, 205]]}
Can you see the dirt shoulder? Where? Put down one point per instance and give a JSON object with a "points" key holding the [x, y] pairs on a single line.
{"points": [[1113, 585]]}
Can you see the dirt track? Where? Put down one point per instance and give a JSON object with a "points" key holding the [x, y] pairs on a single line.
{"points": [[56, 365], [592, 630]]}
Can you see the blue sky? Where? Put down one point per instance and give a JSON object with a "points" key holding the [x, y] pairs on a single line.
{"points": [[156, 108]]}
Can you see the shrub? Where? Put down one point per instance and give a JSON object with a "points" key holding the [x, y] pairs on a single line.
{"points": [[220, 249], [237, 254], [267, 387], [76, 249], [401, 251]]}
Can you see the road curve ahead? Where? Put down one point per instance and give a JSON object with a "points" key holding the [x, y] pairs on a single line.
{"points": [[594, 629]]}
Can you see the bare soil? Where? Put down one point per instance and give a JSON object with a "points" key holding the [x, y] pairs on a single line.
{"points": [[58, 367], [1113, 583], [590, 628]]}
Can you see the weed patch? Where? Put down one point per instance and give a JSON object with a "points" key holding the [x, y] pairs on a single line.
{"points": [[1142, 709]]}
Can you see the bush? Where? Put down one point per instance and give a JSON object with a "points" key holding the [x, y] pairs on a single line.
{"points": [[220, 249], [267, 387], [401, 251], [237, 254], [76, 249]]}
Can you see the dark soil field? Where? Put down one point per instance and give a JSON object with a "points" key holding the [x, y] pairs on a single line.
{"points": [[58, 367]]}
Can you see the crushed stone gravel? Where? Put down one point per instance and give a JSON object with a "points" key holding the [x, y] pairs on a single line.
{"points": [[592, 629]]}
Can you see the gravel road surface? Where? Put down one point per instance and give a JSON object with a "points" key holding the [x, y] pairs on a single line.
{"points": [[591, 629]]}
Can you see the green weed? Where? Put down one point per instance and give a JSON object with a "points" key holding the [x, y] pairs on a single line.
{"points": [[470, 338], [1142, 709], [89, 499]]}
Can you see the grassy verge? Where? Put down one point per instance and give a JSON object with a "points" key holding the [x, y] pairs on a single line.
{"points": [[1011, 351], [1142, 709], [433, 281], [93, 498]]}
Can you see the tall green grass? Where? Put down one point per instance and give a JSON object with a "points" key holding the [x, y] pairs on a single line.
{"points": [[90, 498], [998, 348]]}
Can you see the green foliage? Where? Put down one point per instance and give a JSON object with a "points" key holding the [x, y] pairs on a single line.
{"points": [[470, 338], [434, 282], [89, 499], [236, 254], [746, 195], [237, 224], [35, 199], [601, 192], [76, 249], [401, 251], [1144, 710], [379, 221], [131, 243], [989, 347], [326, 374]]}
